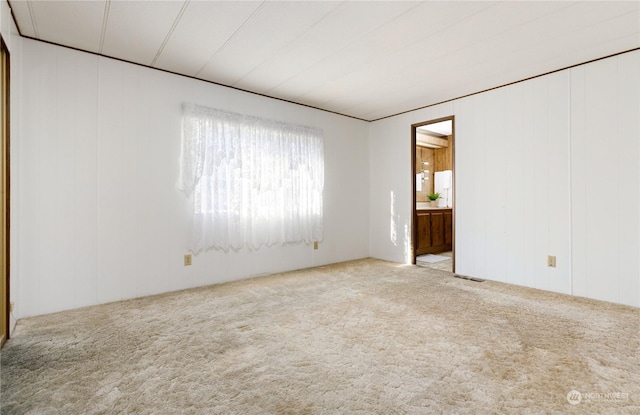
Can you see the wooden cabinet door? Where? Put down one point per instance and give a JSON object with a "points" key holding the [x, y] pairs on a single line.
{"points": [[434, 231], [423, 232], [448, 229], [437, 228]]}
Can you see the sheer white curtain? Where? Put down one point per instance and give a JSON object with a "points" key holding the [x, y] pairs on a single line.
{"points": [[253, 181]]}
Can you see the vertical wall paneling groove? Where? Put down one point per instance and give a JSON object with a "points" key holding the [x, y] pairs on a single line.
{"points": [[628, 68], [27, 200], [480, 187], [65, 191], [540, 184], [87, 74], [494, 184], [559, 192], [603, 251], [578, 183], [529, 165], [514, 171], [605, 165], [47, 179], [570, 288], [464, 163]]}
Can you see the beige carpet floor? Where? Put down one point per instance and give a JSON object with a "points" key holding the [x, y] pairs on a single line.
{"points": [[362, 337]]}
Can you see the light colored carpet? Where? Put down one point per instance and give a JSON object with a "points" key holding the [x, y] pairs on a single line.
{"points": [[362, 337]]}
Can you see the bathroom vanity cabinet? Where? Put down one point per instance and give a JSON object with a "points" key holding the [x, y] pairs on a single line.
{"points": [[434, 230]]}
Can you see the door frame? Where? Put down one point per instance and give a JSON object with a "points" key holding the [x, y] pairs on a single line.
{"points": [[413, 185], [5, 293]]}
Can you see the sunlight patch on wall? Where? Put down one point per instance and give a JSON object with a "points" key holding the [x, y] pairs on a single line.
{"points": [[407, 244], [393, 232]]}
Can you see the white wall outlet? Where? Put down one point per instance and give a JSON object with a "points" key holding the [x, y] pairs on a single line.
{"points": [[187, 260], [551, 261], [315, 244]]}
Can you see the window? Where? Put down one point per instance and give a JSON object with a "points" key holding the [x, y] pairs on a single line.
{"points": [[251, 181]]}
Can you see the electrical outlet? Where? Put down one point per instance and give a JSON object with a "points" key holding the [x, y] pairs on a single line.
{"points": [[187, 260], [11, 306], [315, 244], [551, 261]]}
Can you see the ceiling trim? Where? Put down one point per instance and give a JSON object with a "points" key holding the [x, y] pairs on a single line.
{"points": [[508, 84], [13, 17], [192, 77]]}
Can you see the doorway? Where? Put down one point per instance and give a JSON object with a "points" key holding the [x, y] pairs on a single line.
{"points": [[4, 185], [433, 204]]}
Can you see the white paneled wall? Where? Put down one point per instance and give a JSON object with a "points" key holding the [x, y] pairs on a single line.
{"points": [[605, 172], [99, 216], [532, 162], [512, 184]]}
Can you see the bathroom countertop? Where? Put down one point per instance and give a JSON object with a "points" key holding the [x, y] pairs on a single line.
{"points": [[427, 206]]}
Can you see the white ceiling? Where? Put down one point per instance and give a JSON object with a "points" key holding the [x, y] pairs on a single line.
{"points": [[365, 59], [442, 128]]}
